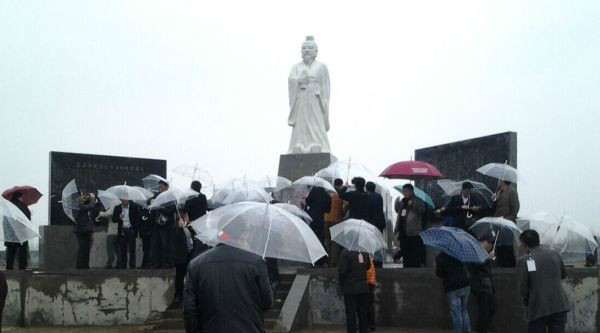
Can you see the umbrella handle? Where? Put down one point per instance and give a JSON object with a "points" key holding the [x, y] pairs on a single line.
{"points": [[496, 240]]}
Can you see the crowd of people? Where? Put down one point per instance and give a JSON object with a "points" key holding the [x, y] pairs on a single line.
{"points": [[248, 284]]}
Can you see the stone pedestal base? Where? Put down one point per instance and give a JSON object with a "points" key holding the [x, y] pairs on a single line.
{"points": [[58, 248], [296, 166]]}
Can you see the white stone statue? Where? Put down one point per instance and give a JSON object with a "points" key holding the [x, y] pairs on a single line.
{"points": [[309, 103]]}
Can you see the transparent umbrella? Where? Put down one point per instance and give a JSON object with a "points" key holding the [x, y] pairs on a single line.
{"points": [[69, 199], [225, 189], [296, 211], [274, 183], [312, 181], [344, 170], [501, 171], [131, 193], [502, 231], [193, 172], [570, 238], [108, 199], [172, 197], [452, 188], [151, 182], [16, 227], [249, 192], [262, 229], [357, 235]]}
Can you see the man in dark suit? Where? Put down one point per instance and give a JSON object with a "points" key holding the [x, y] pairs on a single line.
{"points": [[84, 228], [226, 290], [465, 208], [539, 275], [195, 207], [127, 215], [145, 228], [162, 233], [352, 272], [358, 200], [409, 224], [376, 216], [318, 203]]}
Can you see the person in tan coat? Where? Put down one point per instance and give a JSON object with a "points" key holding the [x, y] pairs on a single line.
{"points": [[506, 205]]}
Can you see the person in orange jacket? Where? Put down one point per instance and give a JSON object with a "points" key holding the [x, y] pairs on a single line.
{"points": [[336, 215], [372, 282]]}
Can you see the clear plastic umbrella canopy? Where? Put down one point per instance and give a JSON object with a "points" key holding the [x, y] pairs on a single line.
{"points": [[108, 199], [344, 170], [249, 192], [131, 193], [312, 181], [16, 227], [296, 211], [274, 183], [225, 189], [570, 238], [500, 171], [151, 182], [69, 199], [501, 231], [262, 229], [357, 235], [193, 171], [172, 197], [452, 188]]}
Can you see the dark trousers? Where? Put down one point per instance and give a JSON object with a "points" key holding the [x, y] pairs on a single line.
{"points": [[505, 256], [113, 249], [84, 241], [554, 323], [333, 249], [486, 309], [3, 294], [371, 312], [162, 245], [11, 253], [357, 308], [146, 246], [318, 228], [180, 272], [413, 251], [128, 245]]}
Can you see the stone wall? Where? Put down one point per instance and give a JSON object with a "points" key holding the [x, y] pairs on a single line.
{"points": [[414, 298], [97, 297]]}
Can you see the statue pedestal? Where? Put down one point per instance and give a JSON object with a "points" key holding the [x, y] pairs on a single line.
{"points": [[296, 166]]}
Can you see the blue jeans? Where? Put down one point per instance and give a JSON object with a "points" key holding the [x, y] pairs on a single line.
{"points": [[457, 301]]}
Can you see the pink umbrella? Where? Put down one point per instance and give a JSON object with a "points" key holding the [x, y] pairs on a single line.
{"points": [[31, 194], [412, 170]]}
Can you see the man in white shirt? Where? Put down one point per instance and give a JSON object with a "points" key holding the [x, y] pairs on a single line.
{"points": [[127, 216]]}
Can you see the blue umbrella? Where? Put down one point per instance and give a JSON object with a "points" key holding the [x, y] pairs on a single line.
{"points": [[456, 243], [419, 194]]}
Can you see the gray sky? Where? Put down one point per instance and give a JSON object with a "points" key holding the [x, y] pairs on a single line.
{"points": [[207, 81]]}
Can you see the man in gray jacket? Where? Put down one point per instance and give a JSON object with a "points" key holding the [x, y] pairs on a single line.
{"points": [[539, 275], [226, 290]]}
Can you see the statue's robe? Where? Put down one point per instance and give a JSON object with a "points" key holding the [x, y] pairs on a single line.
{"points": [[309, 108]]}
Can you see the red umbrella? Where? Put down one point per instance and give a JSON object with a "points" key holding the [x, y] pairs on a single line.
{"points": [[412, 170], [30, 194]]}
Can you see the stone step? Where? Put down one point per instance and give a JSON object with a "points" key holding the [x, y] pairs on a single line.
{"points": [[165, 331], [174, 313], [168, 323]]}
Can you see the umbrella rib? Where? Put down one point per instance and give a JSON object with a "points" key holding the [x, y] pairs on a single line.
{"points": [[268, 232]]}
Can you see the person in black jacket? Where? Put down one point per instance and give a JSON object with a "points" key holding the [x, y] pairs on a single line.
{"points": [[465, 208], [318, 203], [162, 233], [145, 228], [352, 271], [12, 248], [194, 209], [84, 228], [376, 215], [457, 287], [482, 287], [226, 290], [358, 200], [182, 250], [127, 215]]}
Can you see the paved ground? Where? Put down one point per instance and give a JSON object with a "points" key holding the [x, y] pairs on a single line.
{"points": [[141, 329]]}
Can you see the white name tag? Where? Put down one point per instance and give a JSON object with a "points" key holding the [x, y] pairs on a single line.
{"points": [[360, 258], [403, 213], [531, 265]]}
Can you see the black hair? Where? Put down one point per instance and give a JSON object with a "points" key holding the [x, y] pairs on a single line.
{"points": [[17, 195], [467, 186], [196, 186], [370, 186], [408, 187], [338, 182], [359, 182], [163, 182], [531, 238]]}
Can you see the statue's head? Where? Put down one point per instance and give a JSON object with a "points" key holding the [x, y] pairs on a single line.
{"points": [[309, 49]]}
